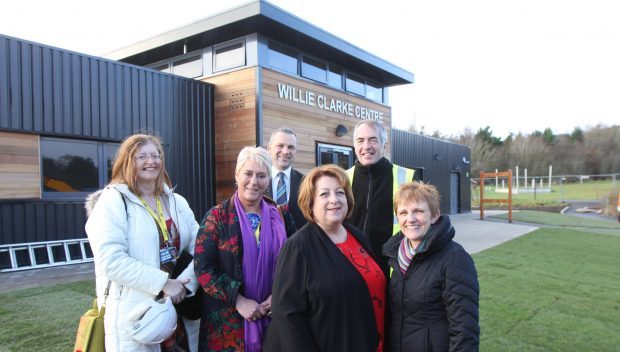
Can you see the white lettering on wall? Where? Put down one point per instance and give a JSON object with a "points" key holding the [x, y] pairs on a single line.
{"points": [[310, 98]]}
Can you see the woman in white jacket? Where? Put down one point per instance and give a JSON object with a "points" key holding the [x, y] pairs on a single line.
{"points": [[130, 251]]}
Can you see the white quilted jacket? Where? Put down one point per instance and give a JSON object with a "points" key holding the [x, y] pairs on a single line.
{"points": [[125, 246]]}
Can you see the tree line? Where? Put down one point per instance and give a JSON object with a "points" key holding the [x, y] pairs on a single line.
{"points": [[592, 151]]}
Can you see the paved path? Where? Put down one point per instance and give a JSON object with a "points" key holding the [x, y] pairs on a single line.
{"points": [[471, 232], [476, 235]]}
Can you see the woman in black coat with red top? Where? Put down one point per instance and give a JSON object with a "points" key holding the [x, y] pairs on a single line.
{"points": [[434, 286], [328, 291]]}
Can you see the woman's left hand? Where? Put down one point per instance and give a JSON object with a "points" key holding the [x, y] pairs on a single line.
{"points": [[267, 305]]}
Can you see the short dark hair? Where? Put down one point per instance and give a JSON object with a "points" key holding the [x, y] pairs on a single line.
{"points": [[283, 130]]}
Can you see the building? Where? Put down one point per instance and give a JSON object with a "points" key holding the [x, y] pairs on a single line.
{"points": [[272, 69], [208, 89], [62, 117]]}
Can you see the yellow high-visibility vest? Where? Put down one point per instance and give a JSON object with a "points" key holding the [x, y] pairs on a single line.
{"points": [[401, 175]]}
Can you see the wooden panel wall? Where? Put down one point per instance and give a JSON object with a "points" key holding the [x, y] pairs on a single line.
{"points": [[20, 175], [311, 123], [235, 124]]}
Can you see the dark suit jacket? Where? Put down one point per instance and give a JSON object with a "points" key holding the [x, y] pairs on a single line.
{"points": [[293, 206]]}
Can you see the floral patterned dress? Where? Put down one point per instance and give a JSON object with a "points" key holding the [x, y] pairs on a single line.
{"points": [[218, 260]]}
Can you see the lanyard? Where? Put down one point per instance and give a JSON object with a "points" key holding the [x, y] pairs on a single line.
{"points": [[257, 234], [161, 222]]}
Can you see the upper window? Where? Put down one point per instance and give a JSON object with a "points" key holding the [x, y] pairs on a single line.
{"points": [[374, 92], [355, 84], [334, 77], [229, 55], [314, 69], [165, 67], [282, 58], [189, 66], [73, 168]]}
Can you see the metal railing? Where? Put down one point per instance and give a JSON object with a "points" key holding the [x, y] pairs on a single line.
{"points": [[35, 255]]}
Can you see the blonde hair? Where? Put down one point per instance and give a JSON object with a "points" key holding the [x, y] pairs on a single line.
{"points": [[308, 188], [124, 167], [257, 154], [417, 191]]}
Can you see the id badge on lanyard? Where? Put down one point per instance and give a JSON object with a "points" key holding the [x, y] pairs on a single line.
{"points": [[169, 252]]}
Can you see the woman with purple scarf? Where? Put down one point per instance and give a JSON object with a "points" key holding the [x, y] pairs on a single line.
{"points": [[236, 250]]}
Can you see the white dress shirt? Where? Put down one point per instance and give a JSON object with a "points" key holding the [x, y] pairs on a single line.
{"points": [[275, 178]]}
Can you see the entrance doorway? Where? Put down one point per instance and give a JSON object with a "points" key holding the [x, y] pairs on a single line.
{"points": [[455, 196], [334, 154]]}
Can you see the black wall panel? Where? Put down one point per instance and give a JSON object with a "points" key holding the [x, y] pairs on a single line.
{"points": [[439, 159], [58, 93]]}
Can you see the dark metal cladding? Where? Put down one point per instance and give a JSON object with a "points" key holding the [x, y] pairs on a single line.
{"points": [[59, 93], [445, 165]]}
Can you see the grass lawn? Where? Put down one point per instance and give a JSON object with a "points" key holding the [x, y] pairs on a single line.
{"points": [[590, 190], [555, 289], [559, 220], [43, 319]]}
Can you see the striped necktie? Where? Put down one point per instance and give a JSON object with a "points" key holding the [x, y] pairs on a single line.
{"points": [[281, 191]]}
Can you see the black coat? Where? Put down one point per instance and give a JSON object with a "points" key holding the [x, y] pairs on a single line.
{"points": [[435, 304], [373, 212], [320, 302], [293, 206]]}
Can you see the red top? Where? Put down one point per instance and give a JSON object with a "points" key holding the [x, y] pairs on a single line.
{"points": [[372, 274]]}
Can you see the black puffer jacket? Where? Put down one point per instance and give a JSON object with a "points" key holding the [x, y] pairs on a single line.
{"points": [[435, 303]]}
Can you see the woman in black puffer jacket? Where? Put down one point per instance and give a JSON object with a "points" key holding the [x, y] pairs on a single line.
{"points": [[434, 285]]}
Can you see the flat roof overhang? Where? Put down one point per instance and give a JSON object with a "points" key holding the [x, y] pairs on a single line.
{"points": [[273, 22]]}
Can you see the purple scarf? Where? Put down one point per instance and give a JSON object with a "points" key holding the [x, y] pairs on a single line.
{"points": [[259, 265]]}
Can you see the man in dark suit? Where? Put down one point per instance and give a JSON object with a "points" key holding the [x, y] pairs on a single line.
{"points": [[285, 180]]}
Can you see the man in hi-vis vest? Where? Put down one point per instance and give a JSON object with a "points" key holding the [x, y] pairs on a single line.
{"points": [[375, 180]]}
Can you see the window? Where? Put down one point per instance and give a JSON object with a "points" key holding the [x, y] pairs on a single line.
{"points": [[355, 84], [334, 154], [72, 168], [190, 66], [334, 77], [374, 92], [282, 58], [164, 67], [109, 154], [314, 69], [229, 55]]}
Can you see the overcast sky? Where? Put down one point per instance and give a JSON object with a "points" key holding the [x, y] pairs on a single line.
{"points": [[513, 65]]}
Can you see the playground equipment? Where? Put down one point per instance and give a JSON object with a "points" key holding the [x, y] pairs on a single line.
{"points": [[508, 175]]}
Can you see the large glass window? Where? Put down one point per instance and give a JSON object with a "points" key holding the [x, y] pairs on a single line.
{"points": [[282, 58], [190, 66], [314, 69], [355, 84], [70, 166], [109, 153], [374, 92], [334, 77], [229, 55], [73, 168]]}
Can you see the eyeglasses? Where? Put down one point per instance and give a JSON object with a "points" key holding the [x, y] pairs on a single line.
{"points": [[144, 157]]}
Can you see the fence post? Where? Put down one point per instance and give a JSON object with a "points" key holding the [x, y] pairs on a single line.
{"points": [[510, 195], [481, 195]]}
